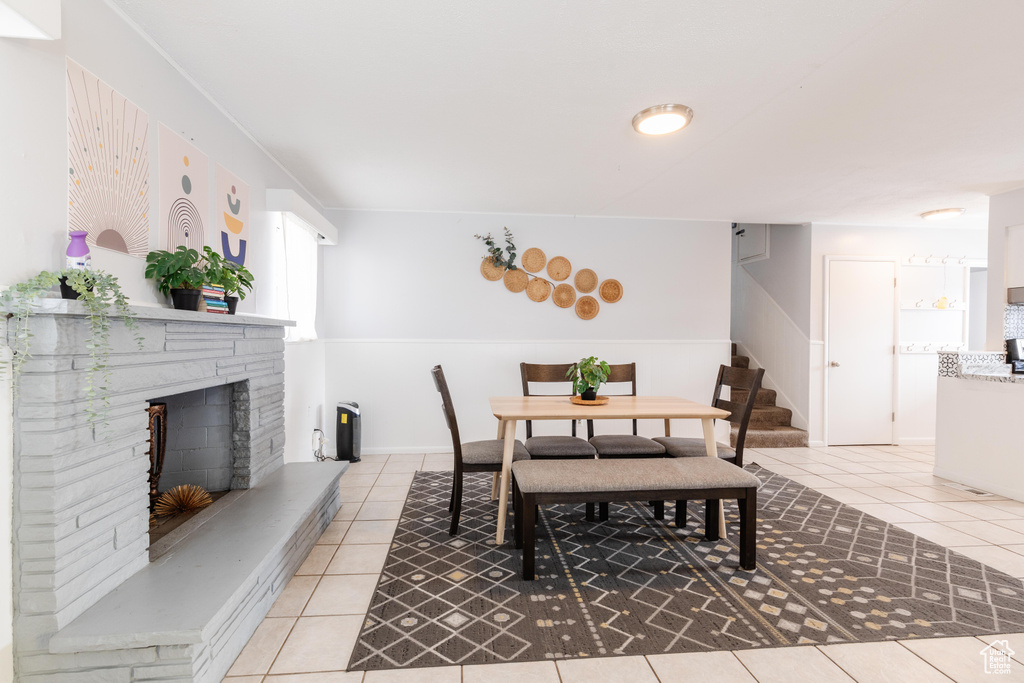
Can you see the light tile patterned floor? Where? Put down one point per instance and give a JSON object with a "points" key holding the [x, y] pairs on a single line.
{"points": [[308, 635]]}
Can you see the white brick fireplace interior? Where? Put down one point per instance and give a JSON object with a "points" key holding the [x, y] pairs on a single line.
{"points": [[88, 603]]}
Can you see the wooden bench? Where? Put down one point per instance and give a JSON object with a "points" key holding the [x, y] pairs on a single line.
{"points": [[544, 482]]}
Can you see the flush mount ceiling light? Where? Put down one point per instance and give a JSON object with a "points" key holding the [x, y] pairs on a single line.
{"points": [[662, 118], [942, 214]]}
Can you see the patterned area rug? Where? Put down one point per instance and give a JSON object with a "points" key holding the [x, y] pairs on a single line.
{"points": [[827, 573]]}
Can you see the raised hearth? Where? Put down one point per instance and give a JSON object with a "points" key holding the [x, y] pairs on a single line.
{"points": [[81, 503]]}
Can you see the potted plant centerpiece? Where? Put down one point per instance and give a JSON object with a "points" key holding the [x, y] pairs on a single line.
{"points": [[588, 375], [179, 274], [236, 280]]}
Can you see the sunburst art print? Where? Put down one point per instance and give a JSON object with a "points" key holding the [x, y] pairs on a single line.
{"points": [[108, 165]]}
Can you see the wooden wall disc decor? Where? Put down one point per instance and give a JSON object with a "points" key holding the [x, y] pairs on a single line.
{"points": [[516, 280], [559, 268], [587, 307], [611, 291], [586, 280], [539, 289], [564, 296], [534, 260], [491, 271]]}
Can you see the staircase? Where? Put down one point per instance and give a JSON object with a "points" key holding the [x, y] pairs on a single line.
{"points": [[770, 425]]}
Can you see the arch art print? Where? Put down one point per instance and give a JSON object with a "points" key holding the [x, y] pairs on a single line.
{"points": [[184, 192], [108, 165]]}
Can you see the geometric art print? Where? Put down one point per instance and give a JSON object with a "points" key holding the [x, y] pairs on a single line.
{"points": [[108, 165], [184, 192], [231, 217]]}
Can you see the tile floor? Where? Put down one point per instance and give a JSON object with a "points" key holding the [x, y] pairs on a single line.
{"points": [[308, 635]]}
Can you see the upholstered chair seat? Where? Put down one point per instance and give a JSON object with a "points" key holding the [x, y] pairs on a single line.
{"points": [[626, 445], [679, 447], [559, 447], [490, 452]]}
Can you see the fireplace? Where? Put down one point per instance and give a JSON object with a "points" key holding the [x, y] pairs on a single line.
{"points": [[81, 491]]}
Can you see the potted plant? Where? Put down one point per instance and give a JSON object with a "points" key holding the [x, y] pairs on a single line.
{"points": [[98, 291], [588, 375], [179, 274], [236, 280]]}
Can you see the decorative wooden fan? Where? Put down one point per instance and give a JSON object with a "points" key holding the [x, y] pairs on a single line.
{"points": [[180, 499]]}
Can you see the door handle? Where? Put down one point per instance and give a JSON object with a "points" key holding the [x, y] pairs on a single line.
{"points": [[833, 364]]}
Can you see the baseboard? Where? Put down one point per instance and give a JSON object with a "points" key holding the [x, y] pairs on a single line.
{"points": [[916, 441], [816, 444], [988, 487], [400, 450]]}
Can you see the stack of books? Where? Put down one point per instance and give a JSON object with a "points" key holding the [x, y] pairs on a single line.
{"points": [[213, 295]]}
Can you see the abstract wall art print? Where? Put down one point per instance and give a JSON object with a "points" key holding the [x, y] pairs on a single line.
{"points": [[230, 217], [108, 165], [184, 192]]}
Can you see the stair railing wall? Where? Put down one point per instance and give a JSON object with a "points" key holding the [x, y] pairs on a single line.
{"points": [[763, 331]]}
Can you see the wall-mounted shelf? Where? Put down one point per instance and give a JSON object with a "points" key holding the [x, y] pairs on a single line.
{"points": [[936, 260], [930, 347], [953, 305]]}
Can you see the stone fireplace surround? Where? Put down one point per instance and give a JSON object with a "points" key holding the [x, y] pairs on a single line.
{"points": [[88, 604]]}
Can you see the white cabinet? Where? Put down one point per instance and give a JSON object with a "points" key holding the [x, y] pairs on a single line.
{"points": [[751, 241]]}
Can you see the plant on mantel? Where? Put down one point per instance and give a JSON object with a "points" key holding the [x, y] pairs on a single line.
{"points": [[99, 292], [235, 279]]}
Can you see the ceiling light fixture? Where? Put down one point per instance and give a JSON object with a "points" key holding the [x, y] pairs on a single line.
{"points": [[942, 214], [662, 118]]}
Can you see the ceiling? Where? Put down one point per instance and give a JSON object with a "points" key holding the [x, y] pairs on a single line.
{"points": [[831, 111]]}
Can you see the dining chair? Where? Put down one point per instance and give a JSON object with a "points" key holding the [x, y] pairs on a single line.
{"points": [[624, 445], [744, 384], [472, 456], [557, 446]]}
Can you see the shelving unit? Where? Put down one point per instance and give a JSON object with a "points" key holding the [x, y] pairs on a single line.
{"points": [[934, 315]]}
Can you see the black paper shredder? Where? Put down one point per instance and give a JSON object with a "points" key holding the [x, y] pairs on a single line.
{"points": [[348, 431]]}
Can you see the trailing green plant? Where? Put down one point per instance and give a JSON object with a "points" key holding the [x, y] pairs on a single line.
{"points": [[497, 255], [178, 269], [99, 292], [588, 373], [235, 279]]}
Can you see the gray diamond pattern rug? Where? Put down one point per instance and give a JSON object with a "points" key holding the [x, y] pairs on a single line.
{"points": [[827, 573]]}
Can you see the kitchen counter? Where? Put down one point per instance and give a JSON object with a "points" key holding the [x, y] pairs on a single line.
{"points": [[979, 407]]}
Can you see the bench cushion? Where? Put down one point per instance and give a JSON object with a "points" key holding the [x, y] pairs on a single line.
{"points": [[679, 447], [640, 474], [489, 452], [559, 447], [625, 445]]}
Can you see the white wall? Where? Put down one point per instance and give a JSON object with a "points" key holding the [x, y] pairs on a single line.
{"points": [[304, 389], [403, 292], [786, 273], [917, 373], [33, 170], [773, 341], [978, 306], [1004, 211]]}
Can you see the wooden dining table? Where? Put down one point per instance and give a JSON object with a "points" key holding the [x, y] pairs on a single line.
{"points": [[511, 409]]}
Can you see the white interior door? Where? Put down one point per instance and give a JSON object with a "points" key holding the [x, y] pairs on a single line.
{"points": [[861, 333]]}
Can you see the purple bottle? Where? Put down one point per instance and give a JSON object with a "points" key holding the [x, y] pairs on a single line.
{"points": [[78, 252]]}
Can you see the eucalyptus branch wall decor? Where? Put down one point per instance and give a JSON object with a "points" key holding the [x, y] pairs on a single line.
{"points": [[495, 266]]}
